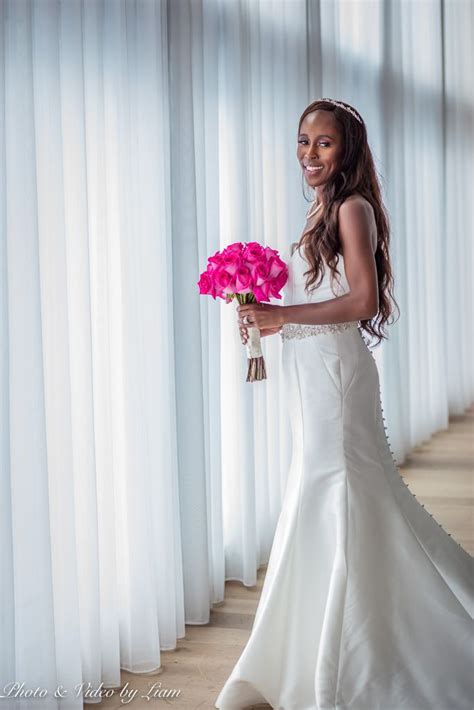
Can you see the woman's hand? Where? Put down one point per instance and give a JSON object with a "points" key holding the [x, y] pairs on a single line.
{"points": [[266, 331], [268, 318]]}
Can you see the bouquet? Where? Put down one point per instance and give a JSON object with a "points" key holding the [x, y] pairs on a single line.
{"points": [[250, 273]]}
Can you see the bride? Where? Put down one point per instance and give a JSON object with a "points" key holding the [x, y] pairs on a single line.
{"points": [[367, 602]]}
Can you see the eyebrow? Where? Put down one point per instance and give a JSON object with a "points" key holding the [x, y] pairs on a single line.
{"points": [[321, 135]]}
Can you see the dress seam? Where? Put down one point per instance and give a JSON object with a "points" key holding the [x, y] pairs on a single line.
{"points": [[346, 541], [394, 468], [413, 532]]}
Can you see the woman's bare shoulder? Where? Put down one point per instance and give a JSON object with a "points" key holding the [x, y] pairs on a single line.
{"points": [[359, 199]]}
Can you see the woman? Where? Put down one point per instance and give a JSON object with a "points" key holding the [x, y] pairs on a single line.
{"points": [[367, 602]]}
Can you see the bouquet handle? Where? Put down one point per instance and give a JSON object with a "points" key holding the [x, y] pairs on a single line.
{"points": [[256, 363]]}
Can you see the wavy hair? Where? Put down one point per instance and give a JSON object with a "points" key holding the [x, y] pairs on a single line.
{"points": [[357, 174]]}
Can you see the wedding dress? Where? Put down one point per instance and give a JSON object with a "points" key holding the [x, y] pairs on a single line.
{"points": [[367, 602]]}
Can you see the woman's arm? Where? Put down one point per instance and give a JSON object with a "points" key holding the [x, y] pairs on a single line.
{"points": [[356, 226]]}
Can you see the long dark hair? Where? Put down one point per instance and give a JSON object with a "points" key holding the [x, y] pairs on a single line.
{"points": [[357, 175]]}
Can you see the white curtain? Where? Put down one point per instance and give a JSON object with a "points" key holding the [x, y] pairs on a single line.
{"points": [[91, 542], [138, 469]]}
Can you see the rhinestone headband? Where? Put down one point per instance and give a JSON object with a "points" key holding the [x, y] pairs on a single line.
{"points": [[346, 108]]}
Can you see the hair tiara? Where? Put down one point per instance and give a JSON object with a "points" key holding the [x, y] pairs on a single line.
{"points": [[346, 108]]}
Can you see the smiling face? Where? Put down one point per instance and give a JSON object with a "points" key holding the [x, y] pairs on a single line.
{"points": [[320, 146]]}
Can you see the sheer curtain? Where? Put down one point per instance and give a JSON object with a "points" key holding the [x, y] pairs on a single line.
{"points": [[138, 469], [91, 540]]}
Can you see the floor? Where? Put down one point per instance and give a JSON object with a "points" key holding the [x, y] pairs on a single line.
{"points": [[440, 473]]}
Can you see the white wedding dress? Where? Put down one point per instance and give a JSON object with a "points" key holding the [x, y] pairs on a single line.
{"points": [[367, 603]]}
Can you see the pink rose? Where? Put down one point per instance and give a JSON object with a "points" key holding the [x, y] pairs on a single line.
{"points": [[235, 248], [260, 272], [222, 281], [215, 260], [281, 279], [261, 292], [243, 280], [270, 253], [231, 262], [276, 267], [253, 252], [274, 288], [205, 283]]}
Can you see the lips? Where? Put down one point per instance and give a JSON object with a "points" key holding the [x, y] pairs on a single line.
{"points": [[313, 169]]}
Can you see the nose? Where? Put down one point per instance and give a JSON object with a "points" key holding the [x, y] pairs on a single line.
{"points": [[312, 154]]}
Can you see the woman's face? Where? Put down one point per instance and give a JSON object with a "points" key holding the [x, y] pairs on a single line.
{"points": [[320, 146]]}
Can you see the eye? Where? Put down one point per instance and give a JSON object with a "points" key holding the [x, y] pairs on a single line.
{"points": [[325, 144]]}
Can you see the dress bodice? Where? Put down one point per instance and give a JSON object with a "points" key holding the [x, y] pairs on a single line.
{"points": [[294, 289]]}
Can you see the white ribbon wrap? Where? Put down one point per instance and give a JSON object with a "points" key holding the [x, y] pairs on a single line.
{"points": [[254, 348]]}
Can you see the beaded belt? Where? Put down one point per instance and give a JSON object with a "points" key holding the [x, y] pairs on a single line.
{"points": [[298, 330]]}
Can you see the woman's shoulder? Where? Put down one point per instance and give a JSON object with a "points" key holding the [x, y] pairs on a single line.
{"points": [[357, 198]]}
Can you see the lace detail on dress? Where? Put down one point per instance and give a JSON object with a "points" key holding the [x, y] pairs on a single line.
{"points": [[298, 330]]}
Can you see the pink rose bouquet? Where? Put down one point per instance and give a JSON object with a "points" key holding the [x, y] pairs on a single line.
{"points": [[250, 273]]}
